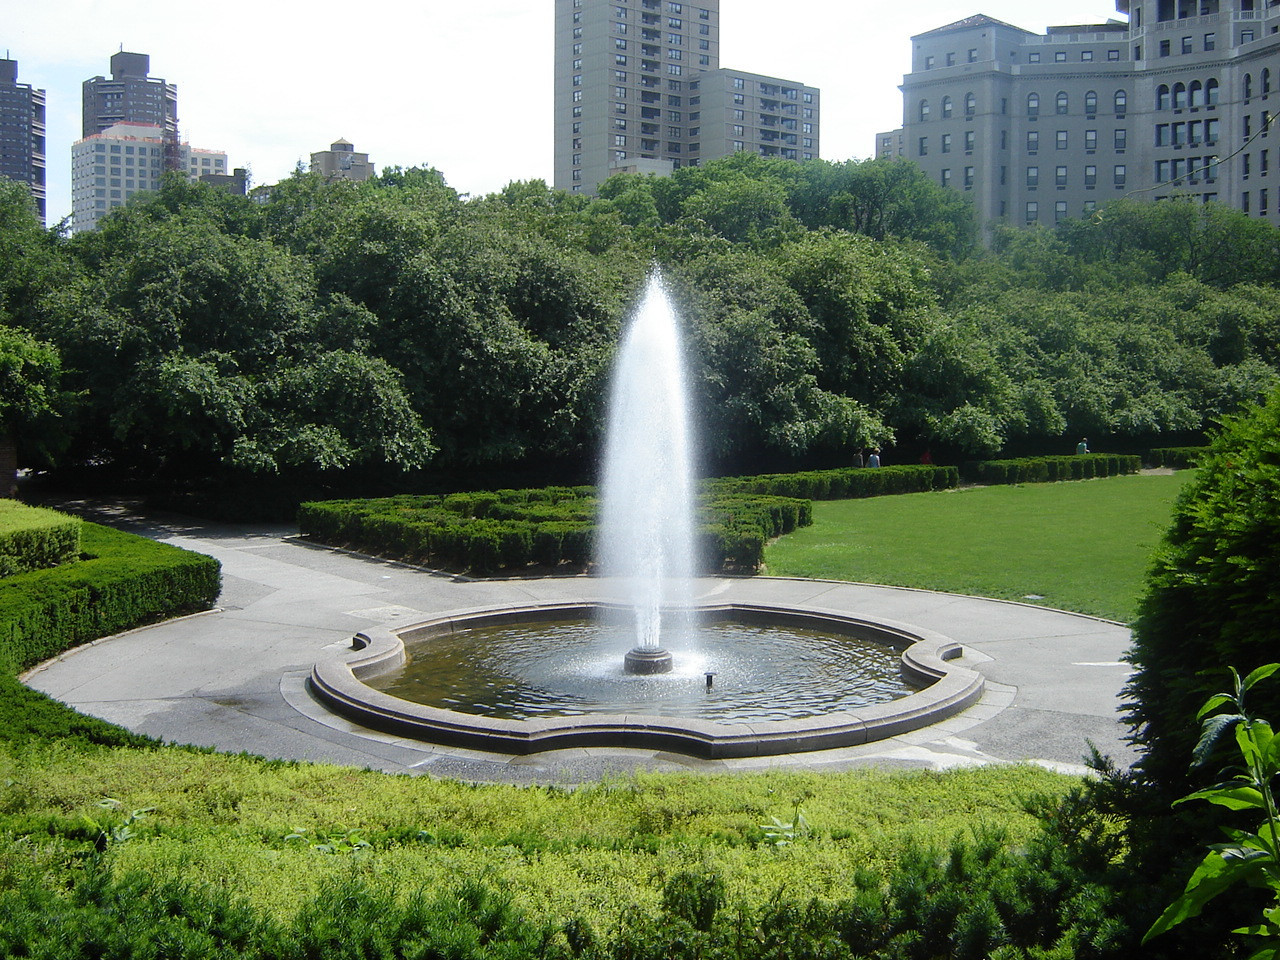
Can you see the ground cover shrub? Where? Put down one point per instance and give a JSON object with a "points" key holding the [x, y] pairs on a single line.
{"points": [[1179, 458], [32, 538], [1049, 469], [123, 581]]}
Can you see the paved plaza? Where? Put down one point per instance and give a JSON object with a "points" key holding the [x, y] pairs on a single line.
{"points": [[235, 678]]}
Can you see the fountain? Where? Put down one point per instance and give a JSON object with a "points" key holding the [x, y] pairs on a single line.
{"points": [[646, 521], [534, 676]]}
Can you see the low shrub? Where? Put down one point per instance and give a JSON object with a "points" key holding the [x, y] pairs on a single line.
{"points": [[32, 538], [123, 582], [1050, 469], [846, 483], [1179, 458]]}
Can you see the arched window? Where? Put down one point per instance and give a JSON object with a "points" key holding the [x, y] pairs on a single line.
{"points": [[1195, 94], [1091, 102], [924, 110], [1033, 104], [1211, 92], [1248, 85], [1162, 97], [1063, 102], [970, 104], [1179, 96], [1121, 100], [946, 108], [1266, 81]]}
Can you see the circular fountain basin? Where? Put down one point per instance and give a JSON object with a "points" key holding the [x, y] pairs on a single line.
{"points": [[923, 656]]}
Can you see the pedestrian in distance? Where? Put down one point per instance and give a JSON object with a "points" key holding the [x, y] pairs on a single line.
{"points": [[874, 459], [1083, 445]]}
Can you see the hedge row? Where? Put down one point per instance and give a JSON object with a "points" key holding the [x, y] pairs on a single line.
{"points": [[1048, 469], [32, 538], [510, 529], [1179, 458], [123, 582], [847, 483]]}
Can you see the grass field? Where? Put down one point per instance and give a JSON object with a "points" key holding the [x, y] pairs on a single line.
{"points": [[1082, 546]]}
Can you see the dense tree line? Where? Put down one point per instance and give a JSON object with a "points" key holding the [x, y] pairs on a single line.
{"points": [[393, 325]]}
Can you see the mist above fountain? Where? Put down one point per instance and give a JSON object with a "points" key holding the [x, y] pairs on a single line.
{"points": [[647, 491]]}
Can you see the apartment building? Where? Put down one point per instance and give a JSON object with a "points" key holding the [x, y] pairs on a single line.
{"points": [[342, 162], [22, 133], [110, 167], [129, 95], [1177, 101], [639, 87]]}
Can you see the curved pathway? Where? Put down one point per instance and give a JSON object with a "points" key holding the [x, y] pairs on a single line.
{"points": [[234, 678]]}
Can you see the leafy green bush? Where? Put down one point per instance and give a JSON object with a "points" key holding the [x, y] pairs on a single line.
{"points": [[1179, 458], [32, 538], [1211, 597], [124, 582], [1050, 469]]}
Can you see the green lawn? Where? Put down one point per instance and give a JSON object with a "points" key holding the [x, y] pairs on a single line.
{"points": [[1081, 545]]}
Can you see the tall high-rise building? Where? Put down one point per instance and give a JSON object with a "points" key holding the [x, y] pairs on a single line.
{"points": [[110, 167], [22, 133], [130, 95], [639, 87], [1176, 102]]}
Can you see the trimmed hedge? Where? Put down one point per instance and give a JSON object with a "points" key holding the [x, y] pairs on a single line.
{"points": [[32, 538], [123, 582], [1179, 458], [510, 529], [846, 483], [1049, 469]]}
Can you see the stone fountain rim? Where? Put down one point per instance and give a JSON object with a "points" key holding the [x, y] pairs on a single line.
{"points": [[337, 682]]}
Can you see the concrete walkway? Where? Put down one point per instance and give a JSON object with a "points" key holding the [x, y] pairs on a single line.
{"points": [[234, 679]]}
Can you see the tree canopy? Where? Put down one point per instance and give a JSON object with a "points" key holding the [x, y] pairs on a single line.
{"points": [[394, 324]]}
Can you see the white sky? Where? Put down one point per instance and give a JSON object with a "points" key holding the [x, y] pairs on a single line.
{"points": [[269, 82]]}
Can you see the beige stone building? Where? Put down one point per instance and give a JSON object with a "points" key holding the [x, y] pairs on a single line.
{"points": [[1177, 101], [127, 158], [341, 162], [639, 87]]}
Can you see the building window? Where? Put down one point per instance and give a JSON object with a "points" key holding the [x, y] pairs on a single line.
{"points": [[1266, 81], [928, 63], [1121, 101], [1060, 176], [951, 59], [1086, 56], [1090, 176], [973, 54], [924, 110], [1060, 56], [1033, 141], [1091, 102], [1033, 104], [970, 104], [1121, 139], [1120, 175], [1063, 102], [946, 108], [1210, 41], [1061, 140], [1060, 211], [922, 149], [1186, 44], [1113, 55], [969, 139], [1244, 202], [1091, 140], [1033, 177], [946, 176], [1033, 58], [1165, 48], [1032, 211], [946, 143], [968, 178], [1211, 92]]}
